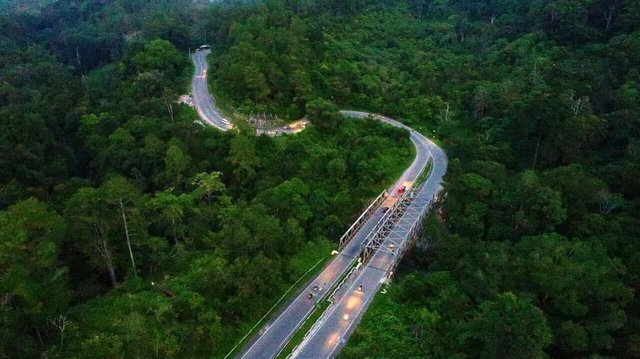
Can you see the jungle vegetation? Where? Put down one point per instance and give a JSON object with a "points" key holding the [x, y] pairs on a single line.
{"points": [[128, 229]]}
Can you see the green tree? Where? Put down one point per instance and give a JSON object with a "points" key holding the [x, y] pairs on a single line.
{"points": [[288, 200], [172, 209], [323, 114], [33, 279], [510, 327], [577, 285], [176, 165], [243, 157], [88, 218], [541, 207], [159, 55], [121, 194], [209, 185]]}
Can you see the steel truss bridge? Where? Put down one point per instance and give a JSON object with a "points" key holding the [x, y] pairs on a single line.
{"points": [[380, 253]]}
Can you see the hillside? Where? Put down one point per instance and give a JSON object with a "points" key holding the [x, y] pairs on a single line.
{"points": [[130, 230]]}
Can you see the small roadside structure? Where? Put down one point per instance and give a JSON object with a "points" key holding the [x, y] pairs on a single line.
{"points": [[186, 100]]}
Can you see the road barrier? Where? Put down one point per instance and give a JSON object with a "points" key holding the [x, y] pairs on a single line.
{"points": [[346, 237], [381, 230]]}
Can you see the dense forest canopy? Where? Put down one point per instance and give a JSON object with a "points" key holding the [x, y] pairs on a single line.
{"points": [[128, 230], [108, 186]]}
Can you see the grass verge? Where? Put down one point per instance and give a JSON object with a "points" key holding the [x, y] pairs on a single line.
{"points": [[320, 308], [424, 174]]}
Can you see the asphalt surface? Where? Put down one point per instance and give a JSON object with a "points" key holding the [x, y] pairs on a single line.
{"points": [[327, 338], [333, 328], [202, 99]]}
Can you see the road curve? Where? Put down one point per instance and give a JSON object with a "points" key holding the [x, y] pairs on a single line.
{"points": [[276, 334], [204, 102], [330, 332]]}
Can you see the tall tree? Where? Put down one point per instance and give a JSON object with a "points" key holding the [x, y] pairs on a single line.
{"points": [[121, 194], [33, 280], [510, 327]]}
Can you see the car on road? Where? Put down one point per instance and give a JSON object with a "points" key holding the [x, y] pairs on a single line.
{"points": [[203, 47], [402, 189]]}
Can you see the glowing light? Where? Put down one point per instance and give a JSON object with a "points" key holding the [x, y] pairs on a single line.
{"points": [[345, 316], [332, 340], [353, 302]]}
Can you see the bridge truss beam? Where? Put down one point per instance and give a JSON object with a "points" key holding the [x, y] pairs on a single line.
{"points": [[386, 225], [346, 237]]}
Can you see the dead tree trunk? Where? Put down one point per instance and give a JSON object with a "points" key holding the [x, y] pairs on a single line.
{"points": [[103, 248], [61, 322], [126, 232], [175, 231], [39, 337], [578, 104], [535, 154], [168, 103], [608, 16]]}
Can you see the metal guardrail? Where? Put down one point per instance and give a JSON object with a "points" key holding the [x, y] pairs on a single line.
{"points": [[405, 237], [373, 242], [412, 207]]}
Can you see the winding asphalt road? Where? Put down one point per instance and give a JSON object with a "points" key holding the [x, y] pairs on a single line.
{"points": [[205, 104], [332, 329], [327, 337]]}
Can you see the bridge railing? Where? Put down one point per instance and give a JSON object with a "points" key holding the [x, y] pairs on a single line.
{"points": [[385, 225], [346, 237], [423, 207]]}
